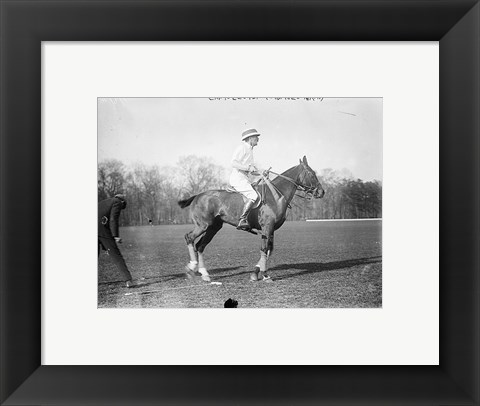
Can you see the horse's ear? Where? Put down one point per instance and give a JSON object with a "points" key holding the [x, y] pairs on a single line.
{"points": [[305, 160], [300, 161]]}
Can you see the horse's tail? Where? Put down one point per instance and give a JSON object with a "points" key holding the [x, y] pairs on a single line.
{"points": [[186, 202]]}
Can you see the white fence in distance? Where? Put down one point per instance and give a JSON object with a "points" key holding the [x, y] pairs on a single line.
{"points": [[370, 219]]}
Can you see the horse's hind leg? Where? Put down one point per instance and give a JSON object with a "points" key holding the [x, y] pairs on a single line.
{"points": [[190, 238], [203, 242]]}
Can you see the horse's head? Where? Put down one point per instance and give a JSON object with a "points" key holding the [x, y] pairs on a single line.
{"points": [[308, 180]]}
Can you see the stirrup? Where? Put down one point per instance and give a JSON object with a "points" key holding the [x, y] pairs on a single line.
{"points": [[248, 230], [244, 225]]}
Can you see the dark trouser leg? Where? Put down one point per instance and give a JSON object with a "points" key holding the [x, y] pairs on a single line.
{"points": [[117, 257], [100, 247], [243, 223]]}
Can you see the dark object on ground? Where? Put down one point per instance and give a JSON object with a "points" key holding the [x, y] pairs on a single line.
{"points": [[231, 303]]}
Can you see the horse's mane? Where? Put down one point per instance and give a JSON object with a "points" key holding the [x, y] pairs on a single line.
{"points": [[285, 173]]}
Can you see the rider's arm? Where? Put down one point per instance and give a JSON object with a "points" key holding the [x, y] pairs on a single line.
{"points": [[239, 157]]}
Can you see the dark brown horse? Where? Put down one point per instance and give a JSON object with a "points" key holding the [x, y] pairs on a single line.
{"points": [[210, 209]]}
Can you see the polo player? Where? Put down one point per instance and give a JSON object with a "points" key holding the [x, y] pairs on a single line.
{"points": [[244, 173]]}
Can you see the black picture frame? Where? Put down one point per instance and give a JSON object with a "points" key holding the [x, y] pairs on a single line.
{"points": [[24, 24]]}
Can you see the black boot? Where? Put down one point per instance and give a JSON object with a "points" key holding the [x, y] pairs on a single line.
{"points": [[243, 224]]}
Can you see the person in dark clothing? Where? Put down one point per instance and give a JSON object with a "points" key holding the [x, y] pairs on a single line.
{"points": [[108, 235]]}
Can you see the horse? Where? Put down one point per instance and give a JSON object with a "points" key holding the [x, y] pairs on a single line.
{"points": [[210, 209]]}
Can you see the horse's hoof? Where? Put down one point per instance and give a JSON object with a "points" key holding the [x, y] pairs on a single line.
{"points": [[206, 278], [190, 274], [264, 277], [254, 274]]}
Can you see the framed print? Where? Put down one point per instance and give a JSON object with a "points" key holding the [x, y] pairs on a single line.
{"points": [[135, 137], [337, 278], [27, 216]]}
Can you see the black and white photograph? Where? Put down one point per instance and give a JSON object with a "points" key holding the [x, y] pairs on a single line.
{"points": [[243, 226], [240, 202]]}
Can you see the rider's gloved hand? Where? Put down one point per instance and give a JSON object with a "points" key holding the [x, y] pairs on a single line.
{"points": [[118, 240]]}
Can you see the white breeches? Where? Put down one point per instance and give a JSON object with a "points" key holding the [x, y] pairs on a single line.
{"points": [[242, 185]]}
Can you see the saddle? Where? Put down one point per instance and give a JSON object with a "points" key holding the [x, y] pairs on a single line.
{"points": [[259, 187], [258, 200]]}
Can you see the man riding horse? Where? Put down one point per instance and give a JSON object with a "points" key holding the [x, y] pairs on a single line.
{"points": [[244, 173], [209, 210]]}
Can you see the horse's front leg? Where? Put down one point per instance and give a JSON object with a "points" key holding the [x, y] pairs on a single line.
{"points": [[266, 248]]}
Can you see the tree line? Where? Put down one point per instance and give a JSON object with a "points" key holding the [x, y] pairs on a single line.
{"points": [[153, 191]]}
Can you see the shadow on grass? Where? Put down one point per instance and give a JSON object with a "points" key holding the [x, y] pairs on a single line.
{"points": [[212, 272], [230, 275], [303, 268], [155, 280], [306, 268], [216, 271], [146, 281]]}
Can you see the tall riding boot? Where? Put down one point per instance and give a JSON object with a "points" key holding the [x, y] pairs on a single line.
{"points": [[243, 224]]}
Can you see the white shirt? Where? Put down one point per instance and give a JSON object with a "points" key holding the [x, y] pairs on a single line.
{"points": [[243, 157]]}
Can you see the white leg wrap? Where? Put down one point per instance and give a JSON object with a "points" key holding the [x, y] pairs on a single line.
{"points": [[201, 262], [192, 265], [262, 264], [192, 252], [205, 275], [203, 271]]}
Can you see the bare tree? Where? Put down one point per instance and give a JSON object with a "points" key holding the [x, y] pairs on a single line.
{"points": [[153, 192], [200, 174], [110, 178]]}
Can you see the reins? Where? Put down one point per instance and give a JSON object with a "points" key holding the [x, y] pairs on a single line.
{"points": [[269, 183], [303, 188], [286, 178]]}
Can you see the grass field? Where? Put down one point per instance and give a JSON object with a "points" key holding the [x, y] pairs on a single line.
{"points": [[331, 264]]}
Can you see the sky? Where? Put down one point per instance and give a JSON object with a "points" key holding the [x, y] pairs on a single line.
{"points": [[335, 133]]}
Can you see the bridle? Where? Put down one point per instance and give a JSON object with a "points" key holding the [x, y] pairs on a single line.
{"points": [[309, 190]]}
